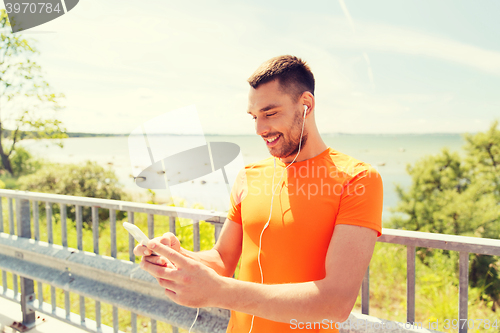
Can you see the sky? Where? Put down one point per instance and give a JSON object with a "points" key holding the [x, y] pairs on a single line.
{"points": [[386, 66]]}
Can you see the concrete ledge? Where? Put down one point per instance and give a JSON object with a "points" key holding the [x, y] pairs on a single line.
{"points": [[360, 323], [11, 312]]}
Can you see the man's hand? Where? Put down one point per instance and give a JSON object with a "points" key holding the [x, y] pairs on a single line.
{"points": [[168, 239], [186, 281]]}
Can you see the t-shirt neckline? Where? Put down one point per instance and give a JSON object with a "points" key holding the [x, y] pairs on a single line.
{"points": [[320, 155]]}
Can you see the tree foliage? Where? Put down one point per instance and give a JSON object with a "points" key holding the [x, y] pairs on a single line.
{"points": [[459, 195], [27, 102], [23, 163], [88, 180]]}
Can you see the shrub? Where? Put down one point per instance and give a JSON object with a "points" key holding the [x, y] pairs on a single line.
{"points": [[87, 180], [458, 195], [23, 163]]}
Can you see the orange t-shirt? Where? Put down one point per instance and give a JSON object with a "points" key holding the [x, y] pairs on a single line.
{"points": [[310, 199]]}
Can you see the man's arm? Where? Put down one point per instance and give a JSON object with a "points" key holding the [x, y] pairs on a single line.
{"points": [[332, 298], [222, 258]]}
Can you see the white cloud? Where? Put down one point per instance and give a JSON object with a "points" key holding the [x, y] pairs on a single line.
{"points": [[121, 64], [365, 55], [393, 39]]}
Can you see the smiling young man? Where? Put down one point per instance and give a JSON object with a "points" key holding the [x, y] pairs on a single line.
{"points": [[304, 222]]}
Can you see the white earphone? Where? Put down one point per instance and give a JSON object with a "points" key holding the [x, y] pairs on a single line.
{"points": [[272, 198]]}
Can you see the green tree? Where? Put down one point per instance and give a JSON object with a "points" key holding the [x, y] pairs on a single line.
{"points": [[27, 102], [87, 180], [483, 157], [458, 195]]}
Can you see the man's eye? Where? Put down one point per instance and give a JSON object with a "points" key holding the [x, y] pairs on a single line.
{"points": [[270, 114]]}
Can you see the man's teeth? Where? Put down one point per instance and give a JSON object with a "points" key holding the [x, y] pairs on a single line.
{"points": [[271, 140]]}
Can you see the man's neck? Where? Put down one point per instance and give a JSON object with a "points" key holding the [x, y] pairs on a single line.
{"points": [[310, 150]]}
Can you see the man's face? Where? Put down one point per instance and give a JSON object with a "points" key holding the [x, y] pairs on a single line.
{"points": [[277, 119]]}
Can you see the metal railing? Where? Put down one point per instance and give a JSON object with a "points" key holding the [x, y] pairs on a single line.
{"points": [[412, 239], [92, 275], [123, 285]]}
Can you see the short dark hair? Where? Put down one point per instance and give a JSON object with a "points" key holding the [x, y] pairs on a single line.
{"points": [[293, 74]]}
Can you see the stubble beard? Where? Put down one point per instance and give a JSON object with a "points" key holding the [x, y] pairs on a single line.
{"points": [[290, 146]]}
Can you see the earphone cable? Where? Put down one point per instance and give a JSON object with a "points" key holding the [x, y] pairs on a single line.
{"points": [[271, 210], [197, 314]]}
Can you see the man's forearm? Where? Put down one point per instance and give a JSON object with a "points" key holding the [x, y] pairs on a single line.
{"points": [[210, 258], [307, 301]]}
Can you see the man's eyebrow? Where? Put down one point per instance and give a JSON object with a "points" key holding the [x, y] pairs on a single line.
{"points": [[267, 108]]}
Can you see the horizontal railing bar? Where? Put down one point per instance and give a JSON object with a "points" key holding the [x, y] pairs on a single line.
{"points": [[106, 269], [199, 214], [404, 237], [156, 308], [441, 241]]}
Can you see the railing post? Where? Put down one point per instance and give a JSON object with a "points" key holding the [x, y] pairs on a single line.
{"points": [[112, 226], [64, 227], [410, 284], [1, 215], [79, 226], [48, 213], [151, 226], [365, 293], [4, 273], [95, 228], [463, 293], [27, 285], [131, 242], [11, 218], [217, 230], [196, 235], [171, 224], [95, 236], [36, 221]]}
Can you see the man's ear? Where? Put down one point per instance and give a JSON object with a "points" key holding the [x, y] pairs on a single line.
{"points": [[307, 99]]}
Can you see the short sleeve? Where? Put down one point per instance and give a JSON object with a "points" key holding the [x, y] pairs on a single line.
{"points": [[361, 202], [238, 193]]}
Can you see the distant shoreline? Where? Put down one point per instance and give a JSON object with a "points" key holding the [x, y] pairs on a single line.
{"points": [[91, 135]]}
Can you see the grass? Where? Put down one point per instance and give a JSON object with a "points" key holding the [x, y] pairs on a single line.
{"points": [[436, 281]]}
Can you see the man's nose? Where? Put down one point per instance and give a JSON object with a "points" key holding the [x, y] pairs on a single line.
{"points": [[261, 127]]}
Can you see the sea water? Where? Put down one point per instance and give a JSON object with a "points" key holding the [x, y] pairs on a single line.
{"points": [[388, 153]]}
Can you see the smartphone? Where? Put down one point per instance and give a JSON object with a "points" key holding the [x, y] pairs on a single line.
{"points": [[137, 233]]}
